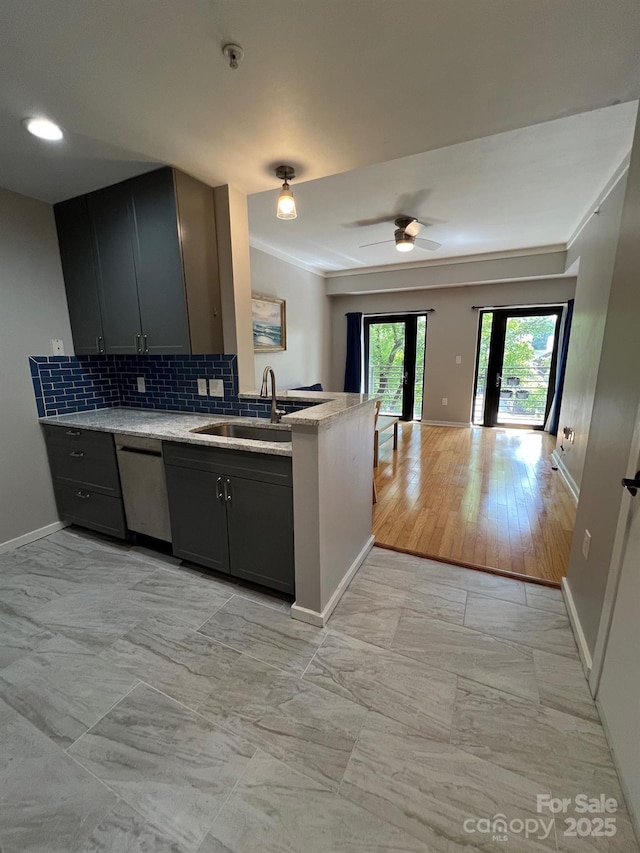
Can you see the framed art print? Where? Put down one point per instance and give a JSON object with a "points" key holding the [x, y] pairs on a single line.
{"points": [[269, 324]]}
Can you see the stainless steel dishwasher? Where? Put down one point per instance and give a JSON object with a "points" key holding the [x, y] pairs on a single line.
{"points": [[144, 490]]}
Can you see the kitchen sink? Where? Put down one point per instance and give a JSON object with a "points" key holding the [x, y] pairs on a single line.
{"points": [[254, 433]]}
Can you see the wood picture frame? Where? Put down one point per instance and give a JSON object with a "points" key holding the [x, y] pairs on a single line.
{"points": [[269, 323]]}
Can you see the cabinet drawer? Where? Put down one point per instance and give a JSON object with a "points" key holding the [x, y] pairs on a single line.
{"points": [[83, 457], [90, 509], [232, 463]]}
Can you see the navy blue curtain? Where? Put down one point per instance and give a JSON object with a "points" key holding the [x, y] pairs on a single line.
{"points": [[353, 369], [554, 420]]}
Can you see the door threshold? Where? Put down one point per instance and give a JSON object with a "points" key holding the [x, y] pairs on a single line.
{"points": [[490, 570]]}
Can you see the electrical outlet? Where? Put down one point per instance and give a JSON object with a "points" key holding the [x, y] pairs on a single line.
{"points": [[202, 387], [141, 384], [458, 359], [445, 401], [586, 544], [57, 346], [216, 388]]}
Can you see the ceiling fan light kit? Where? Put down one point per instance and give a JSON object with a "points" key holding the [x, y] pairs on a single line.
{"points": [[286, 207], [407, 228], [404, 242]]}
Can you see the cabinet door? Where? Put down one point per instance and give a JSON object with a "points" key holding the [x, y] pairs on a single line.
{"points": [[75, 238], [260, 523], [198, 517], [112, 219], [161, 290]]}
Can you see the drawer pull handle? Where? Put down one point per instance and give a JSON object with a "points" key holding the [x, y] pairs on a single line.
{"points": [[83, 495], [219, 487], [74, 432], [77, 454]]}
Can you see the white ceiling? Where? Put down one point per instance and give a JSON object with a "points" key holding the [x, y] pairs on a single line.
{"points": [[328, 85], [515, 190]]}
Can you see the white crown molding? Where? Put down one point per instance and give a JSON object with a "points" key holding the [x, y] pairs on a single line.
{"points": [[454, 259], [254, 243]]}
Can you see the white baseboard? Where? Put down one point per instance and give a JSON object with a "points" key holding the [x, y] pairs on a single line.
{"points": [[320, 619], [566, 476], [11, 544], [574, 619], [445, 423]]}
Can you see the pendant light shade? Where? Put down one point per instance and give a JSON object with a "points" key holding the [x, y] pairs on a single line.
{"points": [[286, 208]]}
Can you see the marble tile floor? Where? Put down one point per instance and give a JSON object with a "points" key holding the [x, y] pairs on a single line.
{"points": [[149, 707]]}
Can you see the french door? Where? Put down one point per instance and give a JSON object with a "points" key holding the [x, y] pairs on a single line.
{"points": [[516, 366], [394, 362]]}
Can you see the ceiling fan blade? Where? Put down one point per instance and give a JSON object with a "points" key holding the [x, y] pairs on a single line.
{"points": [[378, 243], [429, 245]]}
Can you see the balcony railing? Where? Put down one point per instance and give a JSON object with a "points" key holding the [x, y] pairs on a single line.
{"points": [[523, 395]]}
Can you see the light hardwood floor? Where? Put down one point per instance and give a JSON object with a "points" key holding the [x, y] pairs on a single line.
{"points": [[485, 497]]}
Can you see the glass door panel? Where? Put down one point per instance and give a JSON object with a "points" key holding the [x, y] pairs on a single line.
{"points": [[515, 372], [394, 362], [526, 369]]}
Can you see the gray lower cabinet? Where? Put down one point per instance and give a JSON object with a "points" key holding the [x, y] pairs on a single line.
{"points": [[85, 479], [198, 517], [232, 511]]}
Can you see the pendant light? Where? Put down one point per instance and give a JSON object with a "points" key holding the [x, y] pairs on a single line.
{"points": [[286, 208]]}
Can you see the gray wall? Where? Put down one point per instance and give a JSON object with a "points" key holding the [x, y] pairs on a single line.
{"points": [[306, 359], [595, 248], [451, 330], [33, 309], [617, 394]]}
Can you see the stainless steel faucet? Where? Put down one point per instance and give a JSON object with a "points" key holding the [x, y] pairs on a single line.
{"points": [[276, 413]]}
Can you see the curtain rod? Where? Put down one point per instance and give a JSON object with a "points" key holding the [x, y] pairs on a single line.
{"points": [[536, 305], [397, 313]]}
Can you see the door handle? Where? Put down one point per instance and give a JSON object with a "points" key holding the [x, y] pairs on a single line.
{"points": [[405, 378], [498, 380], [219, 489], [632, 486], [227, 491]]}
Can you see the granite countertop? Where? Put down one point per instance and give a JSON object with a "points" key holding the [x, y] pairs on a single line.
{"points": [[178, 426], [171, 426], [326, 405]]}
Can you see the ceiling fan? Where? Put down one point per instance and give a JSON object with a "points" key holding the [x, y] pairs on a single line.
{"points": [[406, 236]]}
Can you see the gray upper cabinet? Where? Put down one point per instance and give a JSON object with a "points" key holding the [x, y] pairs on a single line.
{"points": [[147, 266], [111, 216], [76, 240], [161, 290]]}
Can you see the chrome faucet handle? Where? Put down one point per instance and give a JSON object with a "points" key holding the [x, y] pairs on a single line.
{"points": [[278, 414]]}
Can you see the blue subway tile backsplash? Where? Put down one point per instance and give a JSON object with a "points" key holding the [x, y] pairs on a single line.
{"points": [[69, 383]]}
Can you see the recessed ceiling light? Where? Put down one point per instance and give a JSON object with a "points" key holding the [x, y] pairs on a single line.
{"points": [[43, 129]]}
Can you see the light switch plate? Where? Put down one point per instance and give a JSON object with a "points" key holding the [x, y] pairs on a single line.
{"points": [[458, 359], [202, 387], [57, 346], [216, 388], [445, 401], [141, 384]]}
